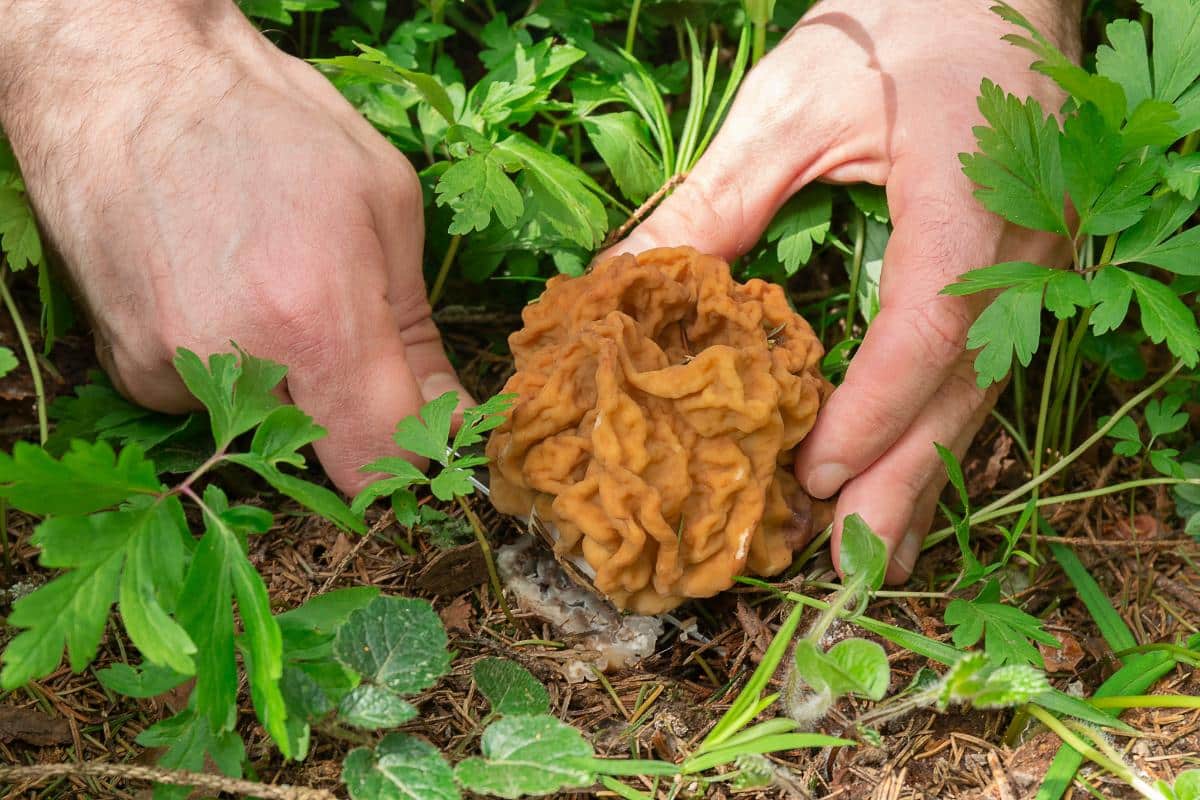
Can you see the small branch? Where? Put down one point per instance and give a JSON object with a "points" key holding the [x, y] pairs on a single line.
{"points": [[644, 209], [486, 549], [39, 390], [39, 773]]}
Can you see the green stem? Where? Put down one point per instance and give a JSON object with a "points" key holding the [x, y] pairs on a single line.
{"points": [[1147, 701], [1189, 143], [759, 48], [1101, 432], [486, 549], [439, 283], [860, 239], [39, 390], [1018, 384], [631, 28], [1118, 769], [1017, 508], [1039, 441]]}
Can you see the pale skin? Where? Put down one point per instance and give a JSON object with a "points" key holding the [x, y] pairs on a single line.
{"points": [[202, 186]]}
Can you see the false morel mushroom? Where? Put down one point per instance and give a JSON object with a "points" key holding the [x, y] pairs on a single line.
{"points": [[659, 404]]}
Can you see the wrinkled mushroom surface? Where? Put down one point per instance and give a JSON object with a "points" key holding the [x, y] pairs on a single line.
{"points": [[659, 402]]}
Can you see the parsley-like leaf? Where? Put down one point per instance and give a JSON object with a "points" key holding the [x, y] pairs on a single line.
{"points": [[1006, 630]]}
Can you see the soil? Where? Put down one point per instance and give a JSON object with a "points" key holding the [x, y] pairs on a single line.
{"points": [[660, 708]]}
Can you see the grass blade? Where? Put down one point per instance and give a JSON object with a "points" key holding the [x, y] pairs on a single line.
{"points": [[764, 744]]}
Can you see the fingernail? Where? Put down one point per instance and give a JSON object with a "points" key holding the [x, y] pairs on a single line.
{"points": [[825, 480], [906, 554], [439, 383]]}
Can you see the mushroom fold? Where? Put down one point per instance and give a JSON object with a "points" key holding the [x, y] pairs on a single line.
{"points": [[659, 404]]}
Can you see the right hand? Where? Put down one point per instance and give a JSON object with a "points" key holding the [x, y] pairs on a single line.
{"points": [[206, 187]]}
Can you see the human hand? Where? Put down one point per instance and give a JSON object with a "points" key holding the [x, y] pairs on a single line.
{"points": [[885, 93], [207, 187]]}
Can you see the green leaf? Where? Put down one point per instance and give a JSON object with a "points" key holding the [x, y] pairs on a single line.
{"points": [[478, 188], [527, 755], [375, 65], [1164, 316], [401, 767], [219, 570], [8, 361], [1164, 417], [308, 630], [403, 474], [1126, 60], [1182, 174], [1105, 94], [482, 418], [852, 666], [1018, 166], [1009, 326], [88, 478], [236, 389], [623, 142], [189, 741], [145, 681], [1176, 56], [863, 554], [451, 482], [1142, 241], [427, 434], [19, 237], [1129, 438], [1109, 195], [973, 680], [803, 222], [374, 707], [395, 642], [563, 197], [1005, 629], [510, 688], [72, 609]]}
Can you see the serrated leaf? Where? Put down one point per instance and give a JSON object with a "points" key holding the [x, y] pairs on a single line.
{"points": [[89, 477], [477, 188], [1010, 325], [427, 434], [19, 237], [863, 554], [316, 498], [236, 389], [527, 755], [189, 741], [510, 688], [308, 630], [562, 196], [395, 642], [482, 418], [134, 555], [1018, 166], [375, 65], [1108, 192], [450, 483], [1006, 630], [1164, 417], [973, 680], [1126, 60], [401, 767], [803, 222], [373, 707]]}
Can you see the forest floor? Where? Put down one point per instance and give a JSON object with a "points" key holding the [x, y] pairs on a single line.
{"points": [[1146, 568]]}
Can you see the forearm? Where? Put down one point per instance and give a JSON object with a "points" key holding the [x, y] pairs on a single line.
{"points": [[55, 54]]}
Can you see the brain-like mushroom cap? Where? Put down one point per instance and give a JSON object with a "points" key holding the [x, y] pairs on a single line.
{"points": [[659, 402]]}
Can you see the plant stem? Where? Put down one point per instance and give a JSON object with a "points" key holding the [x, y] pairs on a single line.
{"points": [[439, 283], [39, 390], [860, 239], [1042, 502], [1101, 432], [1039, 436], [759, 47], [486, 549], [631, 28], [1069, 737], [1147, 701]]}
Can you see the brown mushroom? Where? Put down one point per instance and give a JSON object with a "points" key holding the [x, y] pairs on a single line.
{"points": [[659, 403]]}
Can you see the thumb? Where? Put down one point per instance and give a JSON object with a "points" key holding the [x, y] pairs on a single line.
{"points": [[778, 137]]}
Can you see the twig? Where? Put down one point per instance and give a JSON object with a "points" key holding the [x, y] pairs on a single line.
{"points": [[644, 209], [384, 520], [39, 773]]}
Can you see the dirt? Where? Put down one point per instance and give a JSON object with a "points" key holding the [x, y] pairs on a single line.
{"points": [[663, 705]]}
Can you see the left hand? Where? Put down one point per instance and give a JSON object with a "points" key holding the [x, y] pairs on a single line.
{"points": [[885, 93]]}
